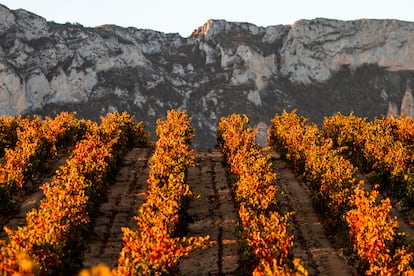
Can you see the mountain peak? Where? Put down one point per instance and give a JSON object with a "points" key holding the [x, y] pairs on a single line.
{"points": [[218, 27], [202, 30]]}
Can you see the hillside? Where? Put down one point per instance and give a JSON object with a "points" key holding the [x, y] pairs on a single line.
{"points": [[318, 66]]}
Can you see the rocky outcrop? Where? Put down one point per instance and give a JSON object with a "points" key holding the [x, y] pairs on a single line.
{"points": [[393, 110], [318, 66], [315, 50], [407, 103]]}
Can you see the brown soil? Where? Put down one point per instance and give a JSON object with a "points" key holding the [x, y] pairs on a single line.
{"points": [[312, 244], [405, 219], [214, 215], [124, 199]]}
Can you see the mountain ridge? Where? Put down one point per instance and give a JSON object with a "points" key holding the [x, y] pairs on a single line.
{"points": [[320, 67]]}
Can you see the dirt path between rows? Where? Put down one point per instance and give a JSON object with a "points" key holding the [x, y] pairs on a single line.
{"points": [[124, 198], [31, 194], [214, 215], [405, 217], [311, 243]]}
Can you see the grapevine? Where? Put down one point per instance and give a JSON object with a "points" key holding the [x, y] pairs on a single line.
{"points": [[264, 229], [37, 141], [54, 235], [155, 248], [332, 177]]}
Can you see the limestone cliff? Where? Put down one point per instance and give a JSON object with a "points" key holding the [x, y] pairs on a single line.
{"points": [[318, 66]]}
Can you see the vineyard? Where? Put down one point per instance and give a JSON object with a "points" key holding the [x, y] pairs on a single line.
{"points": [[100, 198]]}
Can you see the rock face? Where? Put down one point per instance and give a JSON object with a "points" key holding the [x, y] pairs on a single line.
{"points": [[318, 66], [407, 103], [315, 50]]}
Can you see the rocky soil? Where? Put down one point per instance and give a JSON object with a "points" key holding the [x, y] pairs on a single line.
{"points": [[312, 244], [123, 201]]}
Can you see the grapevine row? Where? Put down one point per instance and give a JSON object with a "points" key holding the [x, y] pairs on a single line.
{"points": [[8, 133], [384, 146], [326, 171], [332, 177], [35, 141], [156, 247], [264, 229], [54, 236]]}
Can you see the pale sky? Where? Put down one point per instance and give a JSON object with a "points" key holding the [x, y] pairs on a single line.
{"points": [[183, 16]]}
